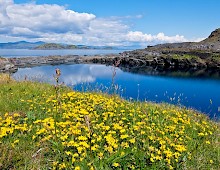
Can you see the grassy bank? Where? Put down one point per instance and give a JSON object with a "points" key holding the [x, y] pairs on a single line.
{"points": [[43, 127]]}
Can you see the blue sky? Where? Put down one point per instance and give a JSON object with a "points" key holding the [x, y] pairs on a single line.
{"points": [[102, 22]]}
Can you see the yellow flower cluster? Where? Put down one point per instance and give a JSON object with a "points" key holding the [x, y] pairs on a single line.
{"points": [[11, 124], [94, 130]]}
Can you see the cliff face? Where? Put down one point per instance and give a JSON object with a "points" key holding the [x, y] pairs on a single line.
{"points": [[214, 37], [213, 41]]}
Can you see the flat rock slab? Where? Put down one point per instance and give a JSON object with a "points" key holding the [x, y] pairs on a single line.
{"points": [[7, 66], [55, 60]]}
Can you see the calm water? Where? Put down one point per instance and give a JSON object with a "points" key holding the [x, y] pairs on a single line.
{"points": [[194, 93], [25, 52]]}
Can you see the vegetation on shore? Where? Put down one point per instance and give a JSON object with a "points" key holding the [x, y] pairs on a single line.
{"points": [[56, 46], [52, 46], [52, 127]]}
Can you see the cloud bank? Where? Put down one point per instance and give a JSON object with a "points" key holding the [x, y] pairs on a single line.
{"points": [[54, 23]]}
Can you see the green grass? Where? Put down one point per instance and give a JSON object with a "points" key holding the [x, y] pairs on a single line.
{"points": [[185, 56], [13, 92], [43, 128], [216, 58]]}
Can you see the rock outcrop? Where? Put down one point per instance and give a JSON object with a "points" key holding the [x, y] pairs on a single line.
{"points": [[208, 45], [7, 66], [204, 54]]}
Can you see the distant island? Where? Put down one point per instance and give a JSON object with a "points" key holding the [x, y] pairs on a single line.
{"points": [[56, 46], [40, 45], [20, 45]]}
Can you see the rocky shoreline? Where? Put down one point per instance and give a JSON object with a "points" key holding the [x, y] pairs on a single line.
{"points": [[134, 61]]}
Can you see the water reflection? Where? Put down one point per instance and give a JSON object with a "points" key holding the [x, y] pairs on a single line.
{"points": [[71, 74], [195, 93], [175, 72]]}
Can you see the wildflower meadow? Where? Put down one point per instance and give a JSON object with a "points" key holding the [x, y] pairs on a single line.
{"points": [[47, 127]]}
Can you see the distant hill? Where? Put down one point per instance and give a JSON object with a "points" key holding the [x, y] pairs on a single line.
{"points": [[56, 46], [20, 45]]}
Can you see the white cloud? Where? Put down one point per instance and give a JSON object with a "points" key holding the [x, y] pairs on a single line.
{"points": [[176, 38], [197, 39], [74, 74], [67, 37], [3, 12], [54, 23], [107, 31], [139, 16], [137, 36], [26, 32], [39, 19]]}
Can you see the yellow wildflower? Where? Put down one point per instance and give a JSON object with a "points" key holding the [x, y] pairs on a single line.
{"points": [[77, 168], [132, 140], [116, 164], [207, 142]]}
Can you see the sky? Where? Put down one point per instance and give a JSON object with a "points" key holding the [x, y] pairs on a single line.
{"points": [[112, 22]]}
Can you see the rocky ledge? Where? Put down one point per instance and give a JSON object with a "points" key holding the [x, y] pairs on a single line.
{"points": [[23, 62], [7, 66]]}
